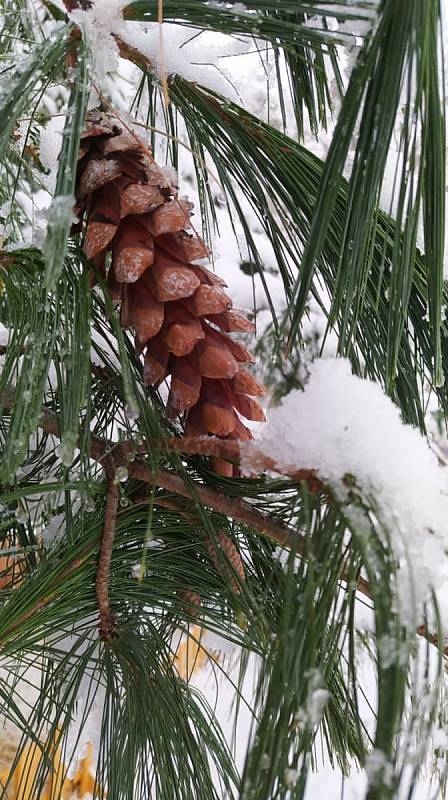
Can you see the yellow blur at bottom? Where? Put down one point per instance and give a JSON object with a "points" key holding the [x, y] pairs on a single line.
{"points": [[21, 782]]}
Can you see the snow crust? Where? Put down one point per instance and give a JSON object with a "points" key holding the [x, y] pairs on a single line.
{"points": [[378, 769], [342, 425], [49, 149]]}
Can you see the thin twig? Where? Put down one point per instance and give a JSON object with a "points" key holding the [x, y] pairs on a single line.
{"points": [[107, 624], [187, 511], [163, 78], [229, 506], [111, 456]]}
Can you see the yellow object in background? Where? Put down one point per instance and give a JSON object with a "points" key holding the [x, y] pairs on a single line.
{"points": [[21, 781], [190, 655], [20, 778], [18, 775]]}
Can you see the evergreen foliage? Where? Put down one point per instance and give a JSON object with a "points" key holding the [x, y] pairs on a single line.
{"points": [[66, 422]]}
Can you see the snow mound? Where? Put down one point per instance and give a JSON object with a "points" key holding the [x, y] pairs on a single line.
{"points": [[342, 425]]}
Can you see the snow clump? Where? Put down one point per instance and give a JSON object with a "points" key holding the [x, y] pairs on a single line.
{"points": [[343, 427]]}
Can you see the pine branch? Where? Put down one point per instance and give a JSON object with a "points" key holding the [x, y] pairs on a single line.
{"points": [[76, 563], [235, 450], [107, 624], [379, 287], [112, 456]]}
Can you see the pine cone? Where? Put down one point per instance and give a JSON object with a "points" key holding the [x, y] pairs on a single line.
{"points": [[230, 554], [179, 310]]}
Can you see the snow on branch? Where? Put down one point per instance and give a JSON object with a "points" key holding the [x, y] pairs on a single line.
{"points": [[344, 427], [176, 52]]}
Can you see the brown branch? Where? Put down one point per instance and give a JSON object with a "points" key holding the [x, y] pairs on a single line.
{"points": [[126, 50], [107, 625], [130, 53], [234, 451], [111, 456], [362, 585], [230, 506], [186, 510]]}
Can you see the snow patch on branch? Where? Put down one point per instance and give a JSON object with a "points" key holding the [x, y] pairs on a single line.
{"points": [[344, 426], [97, 24], [194, 57], [177, 51], [50, 147]]}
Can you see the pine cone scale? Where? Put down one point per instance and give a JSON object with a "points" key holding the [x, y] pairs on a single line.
{"points": [[245, 383], [231, 322], [99, 236], [183, 246], [209, 300], [97, 174], [227, 560], [146, 314], [138, 199]]}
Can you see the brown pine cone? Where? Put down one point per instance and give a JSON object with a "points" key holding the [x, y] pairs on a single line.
{"points": [[228, 553], [179, 310]]}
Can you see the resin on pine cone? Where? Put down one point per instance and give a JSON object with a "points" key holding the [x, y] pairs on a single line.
{"points": [[137, 238]]}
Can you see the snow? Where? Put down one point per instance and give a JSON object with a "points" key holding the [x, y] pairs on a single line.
{"points": [[378, 769], [291, 777], [54, 530], [25, 679], [316, 705], [324, 780], [170, 48], [60, 211], [176, 53], [342, 425], [50, 145], [97, 23]]}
